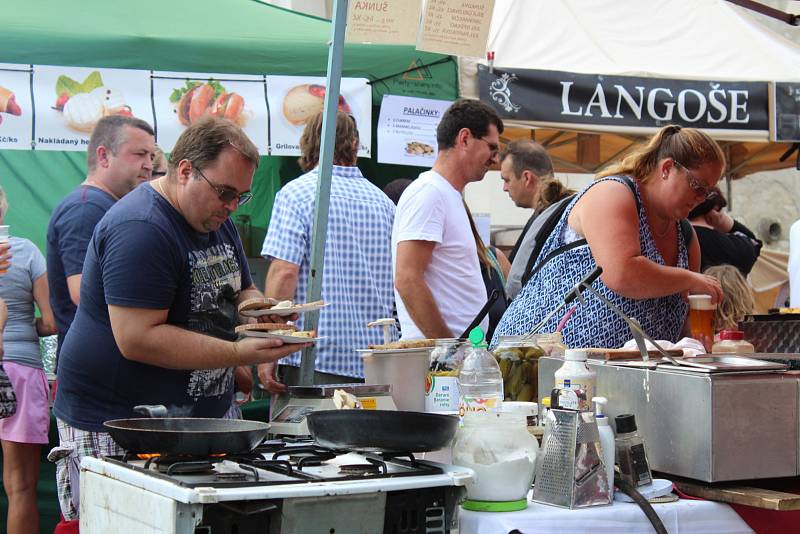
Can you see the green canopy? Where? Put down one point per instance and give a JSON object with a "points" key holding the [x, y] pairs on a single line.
{"points": [[213, 36]]}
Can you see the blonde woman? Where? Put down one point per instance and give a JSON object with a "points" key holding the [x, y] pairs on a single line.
{"points": [[629, 222], [738, 300], [22, 434]]}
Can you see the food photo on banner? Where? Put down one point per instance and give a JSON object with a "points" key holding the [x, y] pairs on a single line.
{"points": [[16, 107], [407, 130], [181, 98], [70, 100], [294, 100]]}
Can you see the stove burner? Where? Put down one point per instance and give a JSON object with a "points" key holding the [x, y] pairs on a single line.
{"points": [[360, 469]]}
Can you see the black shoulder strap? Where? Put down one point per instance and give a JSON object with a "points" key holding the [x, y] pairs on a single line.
{"points": [[686, 230], [548, 227]]}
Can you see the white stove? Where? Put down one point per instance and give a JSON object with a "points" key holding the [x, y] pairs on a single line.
{"points": [[280, 488]]}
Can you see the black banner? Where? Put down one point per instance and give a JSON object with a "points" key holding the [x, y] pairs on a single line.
{"points": [[787, 111], [568, 97]]}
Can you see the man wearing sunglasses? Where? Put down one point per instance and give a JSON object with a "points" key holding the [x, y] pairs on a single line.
{"points": [[164, 274], [438, 284]]}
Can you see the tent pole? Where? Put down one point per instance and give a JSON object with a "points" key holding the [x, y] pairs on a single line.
{"points": [[320, 229]]}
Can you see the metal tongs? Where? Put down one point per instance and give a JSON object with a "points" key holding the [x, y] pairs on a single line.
{"points": [[638, 333]]}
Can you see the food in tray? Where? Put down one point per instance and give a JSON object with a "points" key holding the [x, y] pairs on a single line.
{"points": [[408, 344], [299, 333], [8, 103], [275, 328], [344, 400], [82, 104], [417, 148], [303, 102], [261, 303], [196, 99]]}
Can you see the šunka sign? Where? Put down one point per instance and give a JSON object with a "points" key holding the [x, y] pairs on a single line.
{"points": [[565, 97]]}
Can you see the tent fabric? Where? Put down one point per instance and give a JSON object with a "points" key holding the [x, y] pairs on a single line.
{"points": [[214, 36], [678, 39]]}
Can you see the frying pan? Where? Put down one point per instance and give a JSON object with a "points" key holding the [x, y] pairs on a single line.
{"points": [[381, 430], [187, 435]]}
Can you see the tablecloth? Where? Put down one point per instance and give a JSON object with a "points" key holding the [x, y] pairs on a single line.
{"points": [[681, 517]]}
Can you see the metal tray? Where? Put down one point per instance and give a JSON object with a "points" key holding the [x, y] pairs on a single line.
{"points": [[722, 364]]}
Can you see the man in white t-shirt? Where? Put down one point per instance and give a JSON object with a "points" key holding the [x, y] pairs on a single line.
{"points": [[438, 285]]}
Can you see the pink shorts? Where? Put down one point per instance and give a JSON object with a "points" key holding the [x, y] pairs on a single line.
{"points": [[32, 420]]}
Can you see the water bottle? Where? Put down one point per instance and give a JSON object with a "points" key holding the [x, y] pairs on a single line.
{"points": [[480, 381]]}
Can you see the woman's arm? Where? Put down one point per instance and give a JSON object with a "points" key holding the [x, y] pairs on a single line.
{"points": [[505, 265], [46, 324], [606, 216]]}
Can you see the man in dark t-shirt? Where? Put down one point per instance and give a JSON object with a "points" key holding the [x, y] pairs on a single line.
{"points": [[119, 158], [164, 275]]}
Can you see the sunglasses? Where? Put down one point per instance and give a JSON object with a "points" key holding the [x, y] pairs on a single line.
{"points": [[226, 194], [158, 174], [493, 147], [699, 188]]}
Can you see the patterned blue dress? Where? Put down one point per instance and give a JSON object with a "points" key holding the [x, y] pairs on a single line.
{"points": [[593, 323]]}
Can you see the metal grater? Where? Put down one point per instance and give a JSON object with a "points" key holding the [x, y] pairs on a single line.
{"points": [[570, 472]]}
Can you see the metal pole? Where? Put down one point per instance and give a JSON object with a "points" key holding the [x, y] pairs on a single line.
{"points": [[320, 229]]}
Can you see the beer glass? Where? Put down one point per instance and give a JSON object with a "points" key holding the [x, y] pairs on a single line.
{"points": [[701, 319], [4, 256]]}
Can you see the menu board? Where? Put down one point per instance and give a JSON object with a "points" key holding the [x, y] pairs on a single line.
{"points": [[16, 107], [456, 27], [295, 100], [180, 98], [70, 100], [383, 22], [407, 130]]}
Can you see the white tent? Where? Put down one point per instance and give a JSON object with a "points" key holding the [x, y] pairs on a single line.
{"points": [[681, 41]]}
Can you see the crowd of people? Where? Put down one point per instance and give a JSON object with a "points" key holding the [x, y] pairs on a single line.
{"points": [[145, 270]]}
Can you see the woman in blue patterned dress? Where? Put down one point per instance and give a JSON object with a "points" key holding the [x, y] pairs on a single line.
{"points": [[630, 217]]}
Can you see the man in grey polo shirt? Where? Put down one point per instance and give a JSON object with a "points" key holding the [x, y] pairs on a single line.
{"points": [[526, 169]]}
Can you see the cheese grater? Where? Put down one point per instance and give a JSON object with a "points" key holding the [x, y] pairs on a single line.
{"points": [[570, 472]]}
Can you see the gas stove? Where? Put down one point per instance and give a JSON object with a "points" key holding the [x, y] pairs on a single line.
{"points": [[281, 487]]}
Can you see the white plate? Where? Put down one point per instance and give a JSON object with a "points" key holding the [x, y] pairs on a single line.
{"points": [[285, 339], [281, 312]]}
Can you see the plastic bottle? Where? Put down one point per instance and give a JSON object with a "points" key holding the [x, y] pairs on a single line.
{"points": [[732, 342], [480, 381], [606, 439], [631, 454], [576, 376]]}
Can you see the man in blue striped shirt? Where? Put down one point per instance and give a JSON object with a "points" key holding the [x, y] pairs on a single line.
{"points": [[357, 271]]}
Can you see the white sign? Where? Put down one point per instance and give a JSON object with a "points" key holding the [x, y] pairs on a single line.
{"points": [[456, 27], [294, 100], [407, 130], [180, 98], [70, 100], [16, 108]]}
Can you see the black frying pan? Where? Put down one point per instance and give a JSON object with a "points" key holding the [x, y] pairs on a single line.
{"points": [[381, 430], [187, 435]]}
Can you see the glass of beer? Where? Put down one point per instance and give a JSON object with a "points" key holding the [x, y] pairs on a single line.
{"points": [[701, 319], [4, 253]]}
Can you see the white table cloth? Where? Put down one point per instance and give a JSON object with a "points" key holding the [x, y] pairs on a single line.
{"points": [[681, 517]]}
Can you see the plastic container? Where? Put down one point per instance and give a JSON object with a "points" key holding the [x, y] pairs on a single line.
{"points": [[498, 447], [404, 370], [552, 344], [480, 381], [529, 409], [518, 359], [630, 452], [732, 342], [575, 376], [441, 380], [606, 439]]}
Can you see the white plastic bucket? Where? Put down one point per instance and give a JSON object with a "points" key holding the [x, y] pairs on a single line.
{"points": [[405, 370]]}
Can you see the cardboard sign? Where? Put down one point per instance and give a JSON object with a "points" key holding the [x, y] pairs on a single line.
{"points": [[456, 27], [383, 22]]}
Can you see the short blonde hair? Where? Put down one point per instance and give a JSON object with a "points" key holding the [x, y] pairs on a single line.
{"points": [[738, 300]]}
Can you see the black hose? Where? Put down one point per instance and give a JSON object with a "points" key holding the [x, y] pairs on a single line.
{"points": [[651, 514]]}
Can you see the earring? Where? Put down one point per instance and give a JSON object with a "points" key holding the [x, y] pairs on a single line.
{"points": [[664, 176]]}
